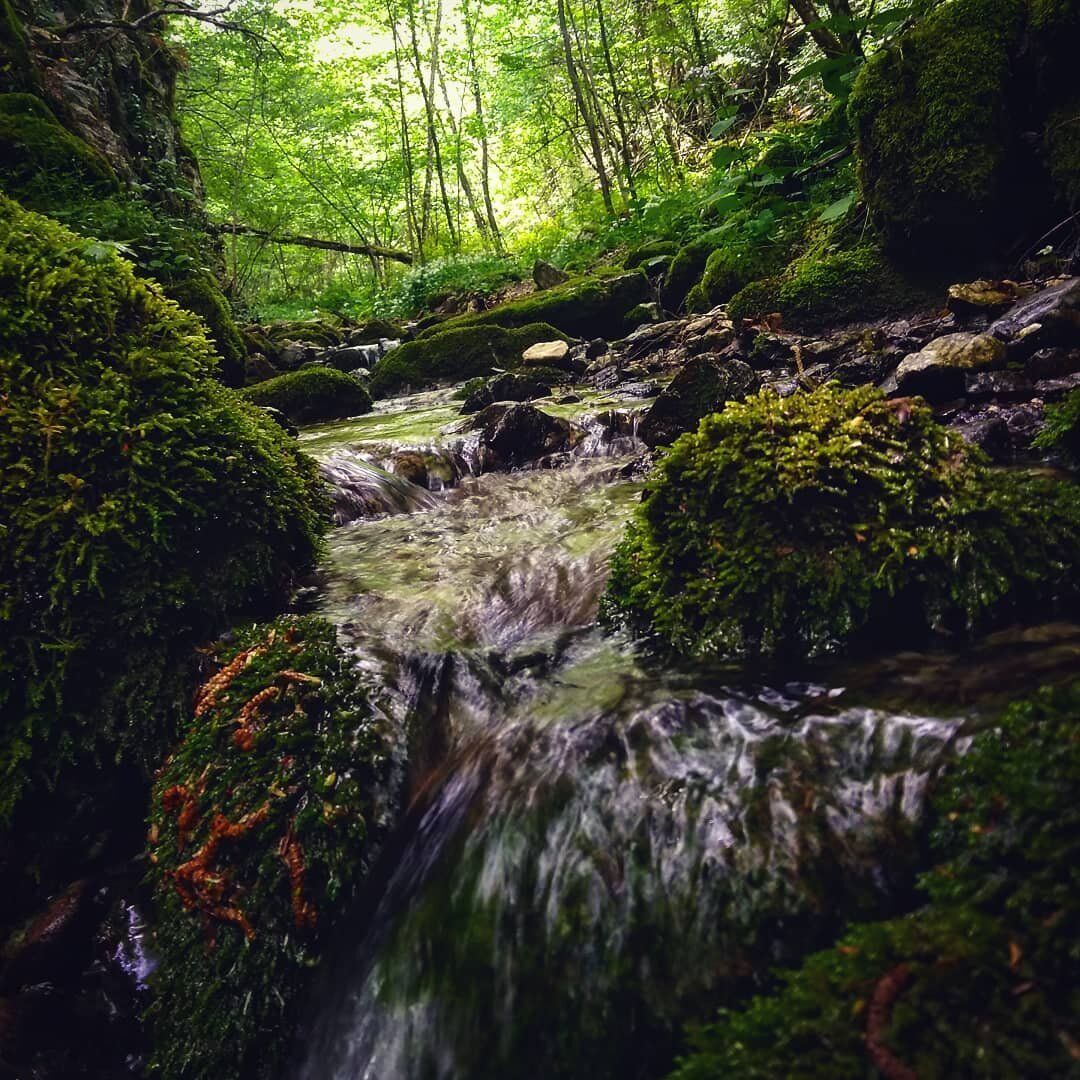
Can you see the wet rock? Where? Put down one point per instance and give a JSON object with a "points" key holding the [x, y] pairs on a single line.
{"points": [[509, 386], [547, 354], [990, 433], [937, 371], [294, 354], [596, 348], [516, 434], [1002, 385], [644, 314], [258, 369], [983, 297], [353, 356], [48, 944], [1055, 389], [547, 276], [862, 369], [703, 386], [1044, 320], [639, 389], [411, 466], [710, 334], [1052, 363], [771, 351], [569, 399], [1024, 422]]}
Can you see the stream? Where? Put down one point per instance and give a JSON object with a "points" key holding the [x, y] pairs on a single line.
{"points": [[597, 847]]}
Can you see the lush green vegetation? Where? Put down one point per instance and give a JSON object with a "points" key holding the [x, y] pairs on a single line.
{"points": [[792, 526], [142, 502], [980, 982], [263, 822]]}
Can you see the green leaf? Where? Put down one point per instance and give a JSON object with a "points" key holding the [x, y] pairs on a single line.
{"points": [[835, 211]]}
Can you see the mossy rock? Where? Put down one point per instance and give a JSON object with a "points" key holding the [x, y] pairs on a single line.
{"points": [[979, 983], [688, 266], [312, 332], [824, 290], [312, 395], [37, 150], [584, 309], [456, 354], [264, 821], [201, 295], [936, 129], [645, 253], [793, 527], [375, 330], [731, 268], [142, 504]]}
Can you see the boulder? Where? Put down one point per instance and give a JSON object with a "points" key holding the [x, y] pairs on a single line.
{"points": [[509, 386], [937, 371], [312, 395], [596, 348], [546, 354], [514, 435], [258, 369], [704, 386], [352, 357], [1047, 319], [547, 276]]}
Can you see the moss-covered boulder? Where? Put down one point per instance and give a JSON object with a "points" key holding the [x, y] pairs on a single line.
{"points": [[645, 253], [979, 983], [825, 289], [312, 395], [201, 294], [263, 823], [942, 117], [688, 265], [790, 527], [582, 309], [141, 503], [321, 332], [456, 354], [730, 268]]}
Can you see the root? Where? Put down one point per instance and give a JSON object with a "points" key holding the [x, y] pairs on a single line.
{"points": [[886, 992]]}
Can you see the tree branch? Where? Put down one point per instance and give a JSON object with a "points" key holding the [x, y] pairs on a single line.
{"points": [[369, 250]]}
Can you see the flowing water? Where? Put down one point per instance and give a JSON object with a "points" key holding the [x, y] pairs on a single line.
{"points": [[597, 848]]}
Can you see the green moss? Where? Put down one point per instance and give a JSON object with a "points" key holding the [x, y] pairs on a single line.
{"points": [[1062, 431], [17, 70], [983, 980], [789, 527], [201, 295], [594, 308], [646, 252], [455, 354], [688, 266], [734, 266], [325, 334], [931, 114], [263, 822], [755, 300], [375, 330], [312, 394], [141, 503], [36, 150]]}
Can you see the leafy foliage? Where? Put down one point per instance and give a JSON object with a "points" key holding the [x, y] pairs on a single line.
{"points": [[791, 526], [983, 981], [264, 822], [141, 503]]}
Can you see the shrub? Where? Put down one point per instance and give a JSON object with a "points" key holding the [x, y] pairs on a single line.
{"points": [[312, 395], [141, 502], [981, 982], [456, 354], [789, 526], [1062, 431], [264, 821]]}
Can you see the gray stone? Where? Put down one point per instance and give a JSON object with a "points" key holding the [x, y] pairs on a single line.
{"points": [[937, 371]]}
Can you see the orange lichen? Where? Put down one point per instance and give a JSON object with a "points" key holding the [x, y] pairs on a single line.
{"points": [[292, 854], [216, 685], [244, 736]]}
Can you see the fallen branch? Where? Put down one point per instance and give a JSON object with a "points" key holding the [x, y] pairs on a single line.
{"points": [[370, 250]]}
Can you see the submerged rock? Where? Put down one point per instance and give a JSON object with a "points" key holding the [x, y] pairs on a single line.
{"points": [[704, 385], [514, 435]]}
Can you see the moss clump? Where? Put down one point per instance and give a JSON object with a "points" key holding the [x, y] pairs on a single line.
{"points": [[201, 295], [588, 309], [981, 982], [789, 526], [36, 150], [1062, 431], [455, 354], [688, 265], [647, 252], [733, 267], [141, 503], [933, 129], [263, 823], [824, 289], [325, 334], [312, 394]]}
